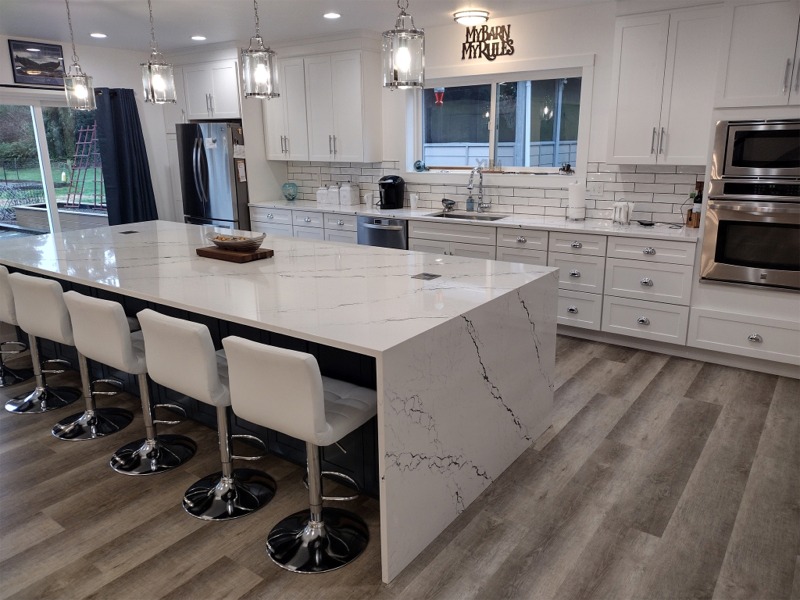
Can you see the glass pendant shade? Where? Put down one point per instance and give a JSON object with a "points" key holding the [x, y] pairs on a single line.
{"points": [[259, 67], [404, 53], [77, 84], [259, 71], [158, 81]]}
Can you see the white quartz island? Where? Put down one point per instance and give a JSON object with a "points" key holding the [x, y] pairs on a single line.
{"points": [[464, 361]]}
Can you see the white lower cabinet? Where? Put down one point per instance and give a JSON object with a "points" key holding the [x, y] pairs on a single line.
{"points": [[579, 273], [522, 255], [648, 281], [279, 230], [455, 239], [580, 309], [272, 221], [452, 248], [643, 319], [347, 237], [309, 233], [745, 335], [307, 224]]}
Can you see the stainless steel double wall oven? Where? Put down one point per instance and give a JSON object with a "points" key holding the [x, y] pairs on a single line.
{"points": [[752, 223]]}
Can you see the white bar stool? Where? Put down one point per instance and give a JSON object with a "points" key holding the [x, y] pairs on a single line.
{"points": [[181, 356], [41, 312], [104, 333], [8, 315], [284, 391], [96, 335]]}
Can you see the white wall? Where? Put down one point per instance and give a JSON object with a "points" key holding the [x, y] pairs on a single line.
{"points": [[114, 69]]}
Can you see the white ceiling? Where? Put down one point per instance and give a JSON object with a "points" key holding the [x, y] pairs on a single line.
{"points": [[126, 22]]}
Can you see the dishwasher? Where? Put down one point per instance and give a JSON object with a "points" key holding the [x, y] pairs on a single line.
{"points": [[383, 232]]}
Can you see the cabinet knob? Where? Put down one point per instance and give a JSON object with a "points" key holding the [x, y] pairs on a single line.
{"points": [[307, 219], [755, 338], [522, 239], [340, 222], [647, 282], [574, 273], [576, 245], [270, 216], [643, 321], [649, 251], [573, 310]]}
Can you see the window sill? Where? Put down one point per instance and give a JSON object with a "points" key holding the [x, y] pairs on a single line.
{"points": [[527, 180]]}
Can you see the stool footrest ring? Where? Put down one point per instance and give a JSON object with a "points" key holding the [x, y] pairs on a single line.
{"points": [[22, 347], [336, 475], [252, 438], [176, 407], [110, 381]]}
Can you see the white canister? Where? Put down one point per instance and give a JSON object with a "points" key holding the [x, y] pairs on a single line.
{"points": [[413, 200], [333, 194], [322, 194], [348, 194]]}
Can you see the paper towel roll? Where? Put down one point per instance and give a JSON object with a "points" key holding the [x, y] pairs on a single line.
{"points": [[576, 204]]}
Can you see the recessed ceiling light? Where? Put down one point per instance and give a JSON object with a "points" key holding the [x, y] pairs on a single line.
{"points": [[331, 15], [199, 38], [98, 35], [471, 17]]}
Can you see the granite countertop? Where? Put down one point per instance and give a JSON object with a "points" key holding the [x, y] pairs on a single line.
{"points": [[660, 231], [358, 298]]}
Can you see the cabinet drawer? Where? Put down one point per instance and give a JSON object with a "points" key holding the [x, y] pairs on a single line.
{"points": [[662, 251], [269, 229], [522, 255], [532, 239], [758, 337], [453, 232], [642, 319], [578, 273], [648, 281], [580, 309], [577, 243], [270, 215], [305, 218], [337, 222], [309, 233], [472, 250], [348, 237]]}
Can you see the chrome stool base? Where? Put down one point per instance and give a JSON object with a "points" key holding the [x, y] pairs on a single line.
{"points": [[92, 424], [43, 399], [304, 546], [151, 456], [218, 498]]}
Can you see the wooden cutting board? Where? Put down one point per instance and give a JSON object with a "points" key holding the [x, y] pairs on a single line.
{"points": [[233, 255]]}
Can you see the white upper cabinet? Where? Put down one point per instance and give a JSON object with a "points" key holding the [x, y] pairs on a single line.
{"points": [[343, 107], [285, 117], [762, 64], [212, 90], [662, 87]]}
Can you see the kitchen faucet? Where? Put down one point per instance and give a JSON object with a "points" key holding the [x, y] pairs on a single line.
{"points": [[481, 204]]}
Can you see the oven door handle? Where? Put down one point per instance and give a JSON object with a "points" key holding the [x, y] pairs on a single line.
{"points": [[769, 212]]}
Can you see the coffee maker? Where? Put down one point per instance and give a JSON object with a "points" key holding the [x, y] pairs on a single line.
{"points": [[392, 188]]}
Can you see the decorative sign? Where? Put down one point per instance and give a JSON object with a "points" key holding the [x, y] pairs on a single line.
{"points": [[487, 42]]}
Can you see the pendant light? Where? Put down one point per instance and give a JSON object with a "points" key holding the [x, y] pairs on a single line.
{"points": [[77, 84], [471, 17], [404, 53], [259, 67], [158, 79]]}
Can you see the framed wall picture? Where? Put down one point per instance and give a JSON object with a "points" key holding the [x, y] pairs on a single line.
{"points": [[36, 64]]}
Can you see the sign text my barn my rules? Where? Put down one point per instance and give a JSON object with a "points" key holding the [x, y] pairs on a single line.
{"points": [[487, 42]]}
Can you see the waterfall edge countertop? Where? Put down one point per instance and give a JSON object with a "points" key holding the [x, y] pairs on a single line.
{"points": [[353, 297], [659, 231]]}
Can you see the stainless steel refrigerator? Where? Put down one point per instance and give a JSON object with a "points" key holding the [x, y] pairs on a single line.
{"points": [[213, 174]]}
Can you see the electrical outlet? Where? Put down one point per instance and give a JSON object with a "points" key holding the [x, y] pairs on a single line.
{"points": [[594, 189]]}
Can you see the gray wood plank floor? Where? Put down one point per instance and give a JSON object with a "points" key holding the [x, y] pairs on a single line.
{"points": [[660, 478]]}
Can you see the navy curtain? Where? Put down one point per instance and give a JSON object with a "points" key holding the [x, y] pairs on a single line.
{"points": [[126, 173]]}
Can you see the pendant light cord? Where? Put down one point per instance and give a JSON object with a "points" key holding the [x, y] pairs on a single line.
{"points": [[258, 27], [71, 35], [153, 43]]}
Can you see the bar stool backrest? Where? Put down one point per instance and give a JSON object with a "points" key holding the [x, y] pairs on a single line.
{"points": [[40, 308], [180, 355], [277, 388], [7, 312], [102, 332]]}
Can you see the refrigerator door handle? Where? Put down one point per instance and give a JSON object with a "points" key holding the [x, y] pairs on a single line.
{"points": [[198, 177]]}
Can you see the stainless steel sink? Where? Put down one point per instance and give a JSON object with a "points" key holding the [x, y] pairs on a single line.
{"points": [[465, 216]]}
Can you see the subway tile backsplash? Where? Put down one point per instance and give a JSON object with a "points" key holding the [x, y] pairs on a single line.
{"points": [[659, 192]]}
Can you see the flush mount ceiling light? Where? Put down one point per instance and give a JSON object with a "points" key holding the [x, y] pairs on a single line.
{"points": [[404, 53], [199, 38], [77, 84], [331, 15], [259, 67], [158, 79], [98, 35], [471, 17]]}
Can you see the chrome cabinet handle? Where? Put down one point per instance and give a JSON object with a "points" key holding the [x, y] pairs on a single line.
{"points": [[661, 141], [643, 321], [797, 79], [653, 141], [649, 251], [270, 216], [647, 282], [307, 219], [574, 273], [786, 73], [522, 239], [576, 245], [340, 222], [334, 144], [330, 144], [572, 309], [211, 103], [755, 338]]}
